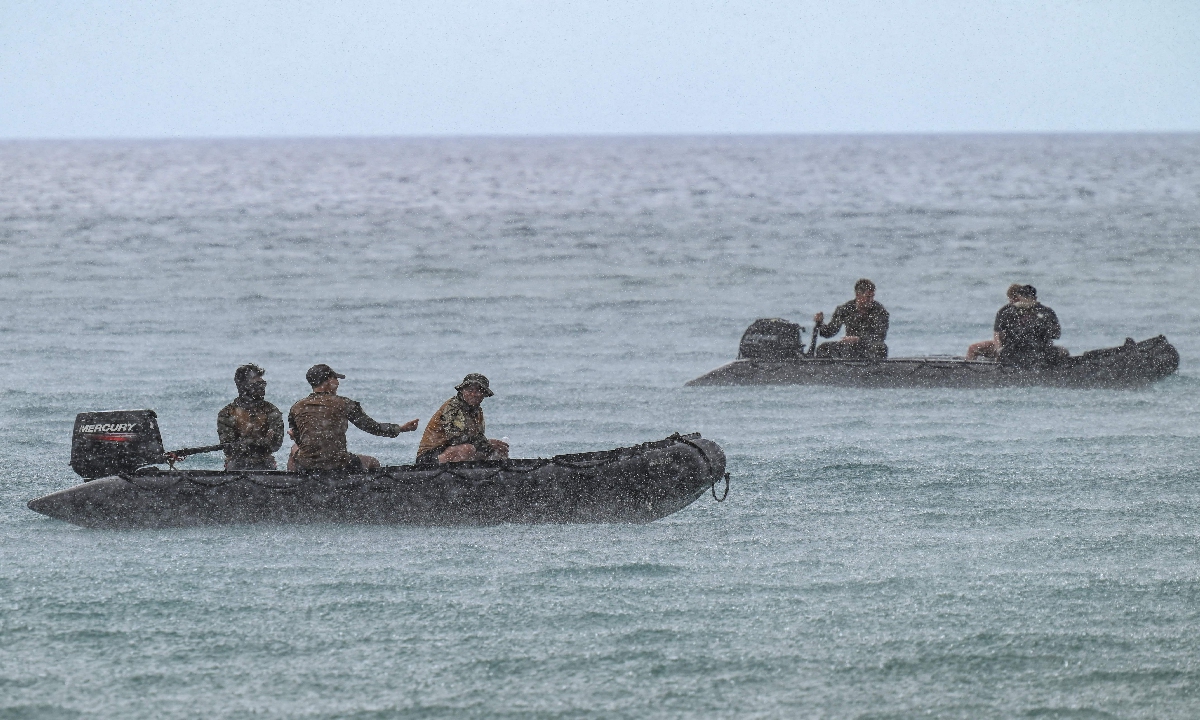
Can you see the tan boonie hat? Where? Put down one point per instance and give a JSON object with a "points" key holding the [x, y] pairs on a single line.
{"points": [[318, 374], [477, 380]]}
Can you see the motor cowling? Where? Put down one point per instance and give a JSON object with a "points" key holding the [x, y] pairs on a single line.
{"points": [[771, 339], [115, 442]]}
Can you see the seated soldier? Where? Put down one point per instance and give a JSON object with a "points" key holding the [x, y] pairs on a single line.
{"points": [[991, 348], [1026, 330], [455, 433], [866, 324], [319, 422], [250, 428]]}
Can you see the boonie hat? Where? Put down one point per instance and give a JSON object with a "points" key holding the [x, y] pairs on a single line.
{"points": [[318, 374], [479, 381]]}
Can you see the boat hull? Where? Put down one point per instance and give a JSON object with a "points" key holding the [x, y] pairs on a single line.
{"points": [[1126, 366], [627, 485]]}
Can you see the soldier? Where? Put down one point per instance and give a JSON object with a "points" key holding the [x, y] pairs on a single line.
{"points": [[991, 348], [866, 324], [319, 422], [250, 428], [455, 433], [1026, 331]]}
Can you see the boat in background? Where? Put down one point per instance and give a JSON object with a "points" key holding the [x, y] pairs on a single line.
{"points": [[771, 353]]}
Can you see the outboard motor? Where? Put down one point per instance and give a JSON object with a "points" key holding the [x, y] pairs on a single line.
{"points": [[113, 443], [771, 339]]}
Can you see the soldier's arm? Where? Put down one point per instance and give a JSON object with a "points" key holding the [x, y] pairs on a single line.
{"points": [[292, 427], [1055, 330], [834, 325], [226, 430], [274, 439], [881, 325], [364, 422], [998, 327]]}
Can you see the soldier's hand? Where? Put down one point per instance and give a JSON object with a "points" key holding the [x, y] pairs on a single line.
{"points": [[819, 318], [410, 425], [498, 445]]}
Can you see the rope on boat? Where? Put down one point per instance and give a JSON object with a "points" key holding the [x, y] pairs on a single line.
{"points": [[713, 489], [609, 457], [614, 456], [223, 481]]}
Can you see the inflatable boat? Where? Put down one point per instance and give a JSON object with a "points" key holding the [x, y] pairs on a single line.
{"points": [[636, 484], [771, 353]]}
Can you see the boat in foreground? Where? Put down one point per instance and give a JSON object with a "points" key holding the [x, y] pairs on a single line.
{"points": [[627, 485], [771, 355]]}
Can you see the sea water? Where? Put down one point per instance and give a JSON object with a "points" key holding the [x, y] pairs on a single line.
{"points": [[882, 553]]}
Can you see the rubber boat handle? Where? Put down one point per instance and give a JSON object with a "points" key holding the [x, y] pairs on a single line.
{"points": [[182, 453]]}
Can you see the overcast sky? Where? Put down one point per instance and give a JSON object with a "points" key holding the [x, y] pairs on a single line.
{"points": [[294, 68]]}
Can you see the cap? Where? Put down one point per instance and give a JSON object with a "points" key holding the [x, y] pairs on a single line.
{"points": [[478, 380], [318, 374]]}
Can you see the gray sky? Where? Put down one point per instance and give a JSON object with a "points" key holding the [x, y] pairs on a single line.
{"points": [[450, 67]]}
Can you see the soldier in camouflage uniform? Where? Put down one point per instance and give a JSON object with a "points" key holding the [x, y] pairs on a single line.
{"points": [[250, 428], [319, 422], [455, 433], [866, 324]]}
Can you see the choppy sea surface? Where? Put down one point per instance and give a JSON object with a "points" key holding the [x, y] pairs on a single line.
{"points": [[1023, 553]]}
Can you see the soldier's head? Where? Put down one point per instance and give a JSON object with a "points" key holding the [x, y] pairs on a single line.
{"points": [[250, 382], [864, 292], [474, 388], [323, 378], [1022, 293]]}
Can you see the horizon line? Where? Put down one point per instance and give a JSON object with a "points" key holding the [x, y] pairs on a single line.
{"points": [[599, 135]]}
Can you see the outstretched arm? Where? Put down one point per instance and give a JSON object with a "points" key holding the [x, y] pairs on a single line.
{"points": [[364, 422]]}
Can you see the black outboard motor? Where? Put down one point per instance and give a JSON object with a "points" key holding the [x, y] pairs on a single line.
{"points": [[771, 339], [114, 443]]}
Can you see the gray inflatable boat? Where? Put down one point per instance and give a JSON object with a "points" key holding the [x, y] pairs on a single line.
{"points": [[771, 354], [636, 484]]}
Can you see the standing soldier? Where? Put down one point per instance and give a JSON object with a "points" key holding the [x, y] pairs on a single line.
{"points": [[250, 428], [319, 422]]}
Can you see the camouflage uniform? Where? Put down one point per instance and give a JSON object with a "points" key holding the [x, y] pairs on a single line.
{"points": [[251, 431], [455, 423], [319, 423], [870, 327]]}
